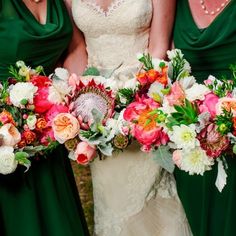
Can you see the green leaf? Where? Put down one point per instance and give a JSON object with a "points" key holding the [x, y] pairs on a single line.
{"points": [[91, 71], [163, 157], [22, 158]]}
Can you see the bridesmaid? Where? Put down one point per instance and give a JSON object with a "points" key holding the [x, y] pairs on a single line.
{"points": [[206, 33], [43, 201]]}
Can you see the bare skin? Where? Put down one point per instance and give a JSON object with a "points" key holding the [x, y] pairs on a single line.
{"points": [[39, 10]]}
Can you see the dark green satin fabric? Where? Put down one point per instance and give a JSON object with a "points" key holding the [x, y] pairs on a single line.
{"points": [[209, 51], [44, 201]]}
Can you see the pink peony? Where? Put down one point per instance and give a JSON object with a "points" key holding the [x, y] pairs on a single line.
{"points": [[54, 111], [41, 102], [47, 136], [176, 96], [143, 123], [209, 104], [85, 153]]}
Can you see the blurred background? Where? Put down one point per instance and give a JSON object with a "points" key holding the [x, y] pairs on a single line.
{"points": [[84, 185]]}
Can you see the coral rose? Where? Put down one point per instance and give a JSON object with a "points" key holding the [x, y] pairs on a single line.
{"points": [[11, 135], [84, 153], [65, 127]]}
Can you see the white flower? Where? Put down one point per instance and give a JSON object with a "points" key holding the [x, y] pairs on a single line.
{"points": [[11, 135], [166, 108], [184, 136], [187, 82], [31, 121], [24, 71], [155, 91], [20, 64], [196, 92], [62, 73], [8, 163], [171, 54], [196, 161], [22, 92], [58, 91]]}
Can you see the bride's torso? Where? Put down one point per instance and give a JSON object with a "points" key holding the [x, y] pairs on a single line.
{"points": [[122, 182], [114, 36]]}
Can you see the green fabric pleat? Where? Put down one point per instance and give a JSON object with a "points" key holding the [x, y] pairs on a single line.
{"points": [[43, 201], [210, 51]]}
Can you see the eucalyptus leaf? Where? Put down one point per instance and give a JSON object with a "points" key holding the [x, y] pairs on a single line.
{"points": [[163, 157], [106, 149]]}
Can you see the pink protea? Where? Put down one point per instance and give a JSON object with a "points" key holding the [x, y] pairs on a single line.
{"points": [[89, 97], [212, 141]]}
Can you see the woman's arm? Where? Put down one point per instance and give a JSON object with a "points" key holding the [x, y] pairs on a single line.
{"points": [[161, 27], [76, 60]]}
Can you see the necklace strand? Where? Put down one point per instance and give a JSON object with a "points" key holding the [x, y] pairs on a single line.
{"points": [[36, 1], [218, 9]]}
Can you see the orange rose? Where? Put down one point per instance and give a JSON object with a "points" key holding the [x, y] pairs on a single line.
{"points": [[21, 144], [6, 117], [65, 127], [29, 136], [41, 124]]}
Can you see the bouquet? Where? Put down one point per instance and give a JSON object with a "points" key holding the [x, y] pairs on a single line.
{"points": [[196, 122], [28, 103]]}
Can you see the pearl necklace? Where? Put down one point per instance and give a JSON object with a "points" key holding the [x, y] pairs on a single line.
{"points": [[36, 1], [218, 9]]}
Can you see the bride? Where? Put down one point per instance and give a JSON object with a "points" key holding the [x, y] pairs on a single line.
{"points": [[114, 32]]}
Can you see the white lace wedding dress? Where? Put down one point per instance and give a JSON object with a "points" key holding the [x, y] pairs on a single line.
{"points": [[121, 183]]}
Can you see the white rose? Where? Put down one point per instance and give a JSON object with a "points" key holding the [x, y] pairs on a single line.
{"points": [[196, 92], [31, 121], [11, 135], [62, 73], [22, 91], [8, 163]]}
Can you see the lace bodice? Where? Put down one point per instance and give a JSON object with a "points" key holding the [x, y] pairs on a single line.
{"points": [[114, 36]]}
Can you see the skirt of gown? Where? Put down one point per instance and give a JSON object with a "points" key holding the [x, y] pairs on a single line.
{"points": [[122, 185], [43, 201]]}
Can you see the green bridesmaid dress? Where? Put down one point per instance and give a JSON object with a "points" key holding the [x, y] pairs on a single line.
{"points": [[43, 201], [210, 51]]}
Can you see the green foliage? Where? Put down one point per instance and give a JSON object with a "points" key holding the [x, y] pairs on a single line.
{"points": [[224, 122], [163, 157], [186, 114], [22, 158], [146, 59], [178, 64], [224, 85], [127, 94], [91, 71]]}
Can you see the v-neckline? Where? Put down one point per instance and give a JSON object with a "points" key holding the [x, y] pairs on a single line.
{"points": [[33, 16], [105, 12], [213, 22]]}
